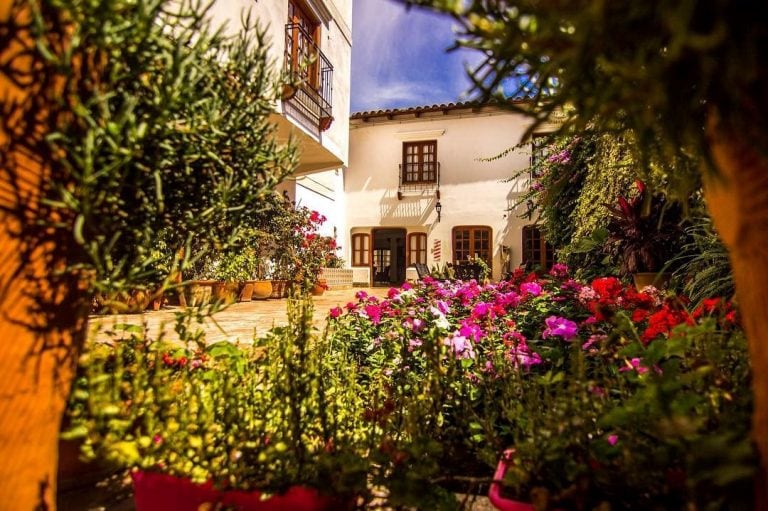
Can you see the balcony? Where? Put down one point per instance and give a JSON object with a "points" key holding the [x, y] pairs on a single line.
{"points": [[309, 99], [417, 178]]}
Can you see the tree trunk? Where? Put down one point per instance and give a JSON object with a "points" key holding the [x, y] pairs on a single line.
{"points": [[42, 316], [737, 199]]}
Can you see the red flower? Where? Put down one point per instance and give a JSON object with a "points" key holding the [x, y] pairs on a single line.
{"points": [[639, 315], [607, 287], [663, 321]]}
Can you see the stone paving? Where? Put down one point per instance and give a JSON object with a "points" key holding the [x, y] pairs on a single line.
{"points": [[239, 321]]}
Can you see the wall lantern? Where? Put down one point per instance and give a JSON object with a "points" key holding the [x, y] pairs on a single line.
{"points": [[530, 206], [438, 209]]}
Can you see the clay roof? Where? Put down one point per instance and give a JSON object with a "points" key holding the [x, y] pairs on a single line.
{"points": [[442, 107]]}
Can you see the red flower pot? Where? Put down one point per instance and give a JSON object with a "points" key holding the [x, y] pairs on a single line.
{"points": [[163, 492], [494, 492]]}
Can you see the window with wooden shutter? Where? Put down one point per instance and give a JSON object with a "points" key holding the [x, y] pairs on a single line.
{"points": [[420, 162], [417, 248], [361, 249], [536, 251]]}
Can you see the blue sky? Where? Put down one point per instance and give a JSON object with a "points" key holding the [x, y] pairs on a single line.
{"points": [[399, 58]]}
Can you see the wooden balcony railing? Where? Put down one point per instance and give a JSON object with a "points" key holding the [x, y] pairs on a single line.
{"points": [[309, 99]]}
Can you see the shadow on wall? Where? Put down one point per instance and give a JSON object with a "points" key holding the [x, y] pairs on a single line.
{"points": [[410, 210]]}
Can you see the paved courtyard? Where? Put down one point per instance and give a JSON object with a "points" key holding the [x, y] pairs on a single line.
{"points": [[238, 322]]}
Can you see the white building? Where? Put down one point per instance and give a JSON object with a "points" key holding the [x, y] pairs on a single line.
{"points": [[316, 113], [418, 190]]}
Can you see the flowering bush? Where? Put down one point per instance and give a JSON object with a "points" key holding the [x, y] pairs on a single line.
{"points": [[264, 416], [300, 251], [575, 376]]}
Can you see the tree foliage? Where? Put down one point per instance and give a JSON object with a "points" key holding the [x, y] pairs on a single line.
{"points": [[661, 68], [155, 128]]}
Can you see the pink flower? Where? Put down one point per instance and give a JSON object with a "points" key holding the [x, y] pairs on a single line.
{"points": [[634, 364], [361, 295], [560, 327], [336, 312], [559, 270], [460, 346], [482, 309], [521, 356], [505, 300], [612, 439], [442, 306], [594, 338], [530, 288], [393, 292], [471, 330]]}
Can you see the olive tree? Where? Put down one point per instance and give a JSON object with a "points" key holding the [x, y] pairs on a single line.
{"points": [[687, 77], [124, 123]]}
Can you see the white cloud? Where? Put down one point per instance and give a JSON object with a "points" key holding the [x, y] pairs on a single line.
{"points": [[399, 57]]}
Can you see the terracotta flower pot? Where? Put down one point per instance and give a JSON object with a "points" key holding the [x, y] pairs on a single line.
{"points": [[319, 287], [262, 289], [280, 289], [198, 292], [225, 291], [658, 280], [161, 492]]}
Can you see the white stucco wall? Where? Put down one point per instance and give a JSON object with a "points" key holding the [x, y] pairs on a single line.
{"points": [[335, 43], [471, 191]]}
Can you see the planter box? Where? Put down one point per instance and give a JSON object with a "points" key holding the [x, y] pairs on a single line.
{"points": [[198, 292], [337, 278], [163, 492], [262, 289], [280, 289]]}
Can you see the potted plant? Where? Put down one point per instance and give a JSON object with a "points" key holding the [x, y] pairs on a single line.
{"points": [[222, 424], [644, 232]]}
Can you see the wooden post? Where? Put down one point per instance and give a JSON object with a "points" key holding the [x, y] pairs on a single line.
{"points": [[42, 319], [738, 201]]}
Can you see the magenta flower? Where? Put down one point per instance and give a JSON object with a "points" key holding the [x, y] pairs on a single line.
{"points": [[521, 356], [612, 439], [510, 299], [361, 295], [594, 338], [471, 330], [530, 288], [482, 309], [392, 292], [443, 306], [560, 327], [634, 364], [336, 312], [559, 270], [374, 313]]}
